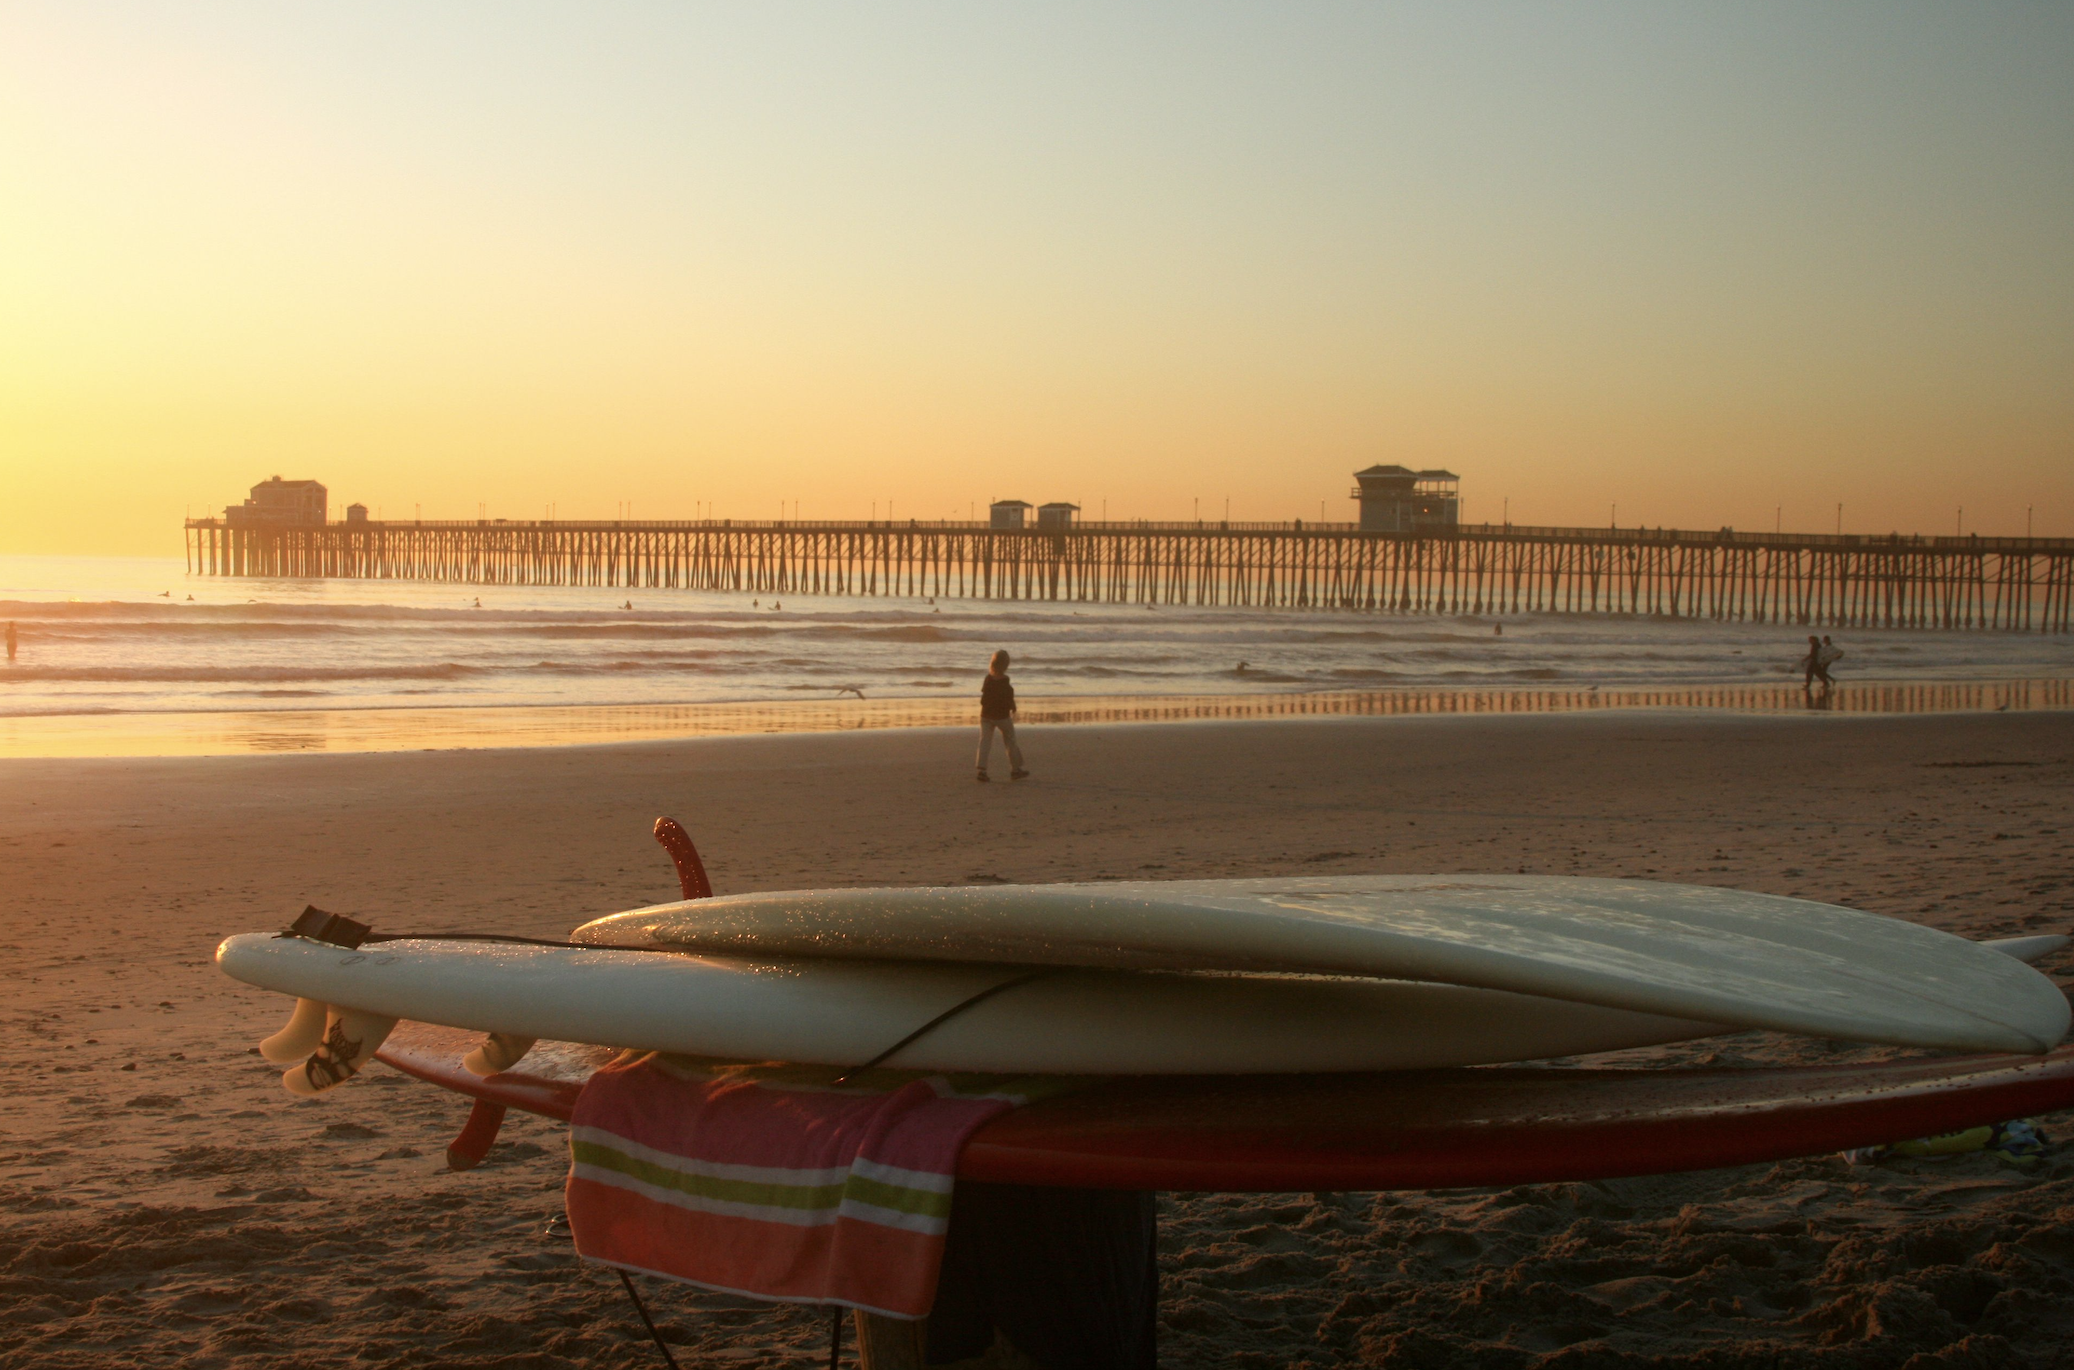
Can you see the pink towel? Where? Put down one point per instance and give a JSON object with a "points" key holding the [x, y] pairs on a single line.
{"points": [[773, 1181]]}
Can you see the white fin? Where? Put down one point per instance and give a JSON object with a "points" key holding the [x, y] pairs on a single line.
{"points": [[299, 1036], [2028, 949], [351, 1039], [499, 1051]]}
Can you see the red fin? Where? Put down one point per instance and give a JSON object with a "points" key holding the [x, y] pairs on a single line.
{"points": [[478, 1135], [691, 872]]}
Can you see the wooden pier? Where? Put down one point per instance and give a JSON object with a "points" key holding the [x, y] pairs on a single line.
{"points": [[1896, 581]]}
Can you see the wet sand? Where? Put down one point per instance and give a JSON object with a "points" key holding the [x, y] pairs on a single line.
{"points": [[164, 1202], [285, 731]]}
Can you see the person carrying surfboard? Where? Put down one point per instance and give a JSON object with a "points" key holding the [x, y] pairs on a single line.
{"points": [[1814, 665], [997, 713]]}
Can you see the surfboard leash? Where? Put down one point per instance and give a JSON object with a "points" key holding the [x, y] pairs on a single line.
{"points": [[337, 930], [971, 1001]]}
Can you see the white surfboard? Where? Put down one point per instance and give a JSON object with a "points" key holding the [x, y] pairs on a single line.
{"points": [[1079, 1022], [1684, 951]]}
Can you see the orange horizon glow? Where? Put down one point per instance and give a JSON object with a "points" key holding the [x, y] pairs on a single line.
{"points": [[1686, 268]]}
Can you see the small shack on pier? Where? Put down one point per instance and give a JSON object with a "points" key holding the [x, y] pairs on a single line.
{"points": [[1008, 513], [1056, 517], [1397, 499]]}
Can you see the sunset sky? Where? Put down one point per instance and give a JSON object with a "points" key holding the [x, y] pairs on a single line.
{"points": [[1711, 264]]}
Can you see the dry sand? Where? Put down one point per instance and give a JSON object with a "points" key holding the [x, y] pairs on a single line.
{"points": [[163, 1201]]}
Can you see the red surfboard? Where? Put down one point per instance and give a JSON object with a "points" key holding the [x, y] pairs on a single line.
{"points": [[1432, 1129]]}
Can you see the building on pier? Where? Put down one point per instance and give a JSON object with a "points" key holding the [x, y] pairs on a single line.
{"points": [[1397, 499], [277, 501], [1056, 517], [1008, 513]]}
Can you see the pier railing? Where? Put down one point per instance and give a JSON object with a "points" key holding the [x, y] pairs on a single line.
{"points": [[1885, 580]]}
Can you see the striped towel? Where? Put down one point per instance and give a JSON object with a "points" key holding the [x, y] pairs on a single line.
{"points": [[774, 1181]]}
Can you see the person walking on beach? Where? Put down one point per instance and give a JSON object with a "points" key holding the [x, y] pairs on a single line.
{"points": [[1817, 666], [997, 714]]}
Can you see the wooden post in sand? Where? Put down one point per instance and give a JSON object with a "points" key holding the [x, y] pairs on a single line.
{"points": [[889, 1343]]}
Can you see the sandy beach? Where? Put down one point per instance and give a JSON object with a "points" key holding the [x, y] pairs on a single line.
{"points": [[164, 1202]]}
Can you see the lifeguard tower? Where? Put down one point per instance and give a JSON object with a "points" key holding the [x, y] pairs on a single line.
{"points": [[1397, 499]]}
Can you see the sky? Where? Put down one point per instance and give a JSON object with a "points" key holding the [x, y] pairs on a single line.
{"points": [[1693, 265]]}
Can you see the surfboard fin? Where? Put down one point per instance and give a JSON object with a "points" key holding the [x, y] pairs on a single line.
{"points": [[351, 1039], [476, 1138], [691, 872], [500, 1051], [299, 1036]]}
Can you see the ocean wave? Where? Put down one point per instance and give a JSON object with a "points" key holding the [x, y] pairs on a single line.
{"points": [[227, 675]]}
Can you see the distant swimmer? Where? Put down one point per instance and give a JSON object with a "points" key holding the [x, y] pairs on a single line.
{"points": [[190, 599], [1497, 630], [478, 602], [1241, 668], [165, 594], [776, 605]]}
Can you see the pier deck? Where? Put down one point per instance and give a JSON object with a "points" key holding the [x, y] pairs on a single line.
{"points": [[2020, 584]]}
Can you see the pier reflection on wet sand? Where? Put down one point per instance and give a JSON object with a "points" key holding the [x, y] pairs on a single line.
{"points": [[384, 730]]}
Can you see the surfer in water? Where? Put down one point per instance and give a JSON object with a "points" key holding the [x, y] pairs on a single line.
{"points": [[997, 712]]}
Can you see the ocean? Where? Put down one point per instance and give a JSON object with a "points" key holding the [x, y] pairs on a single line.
{"points": [[138, 638]]}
